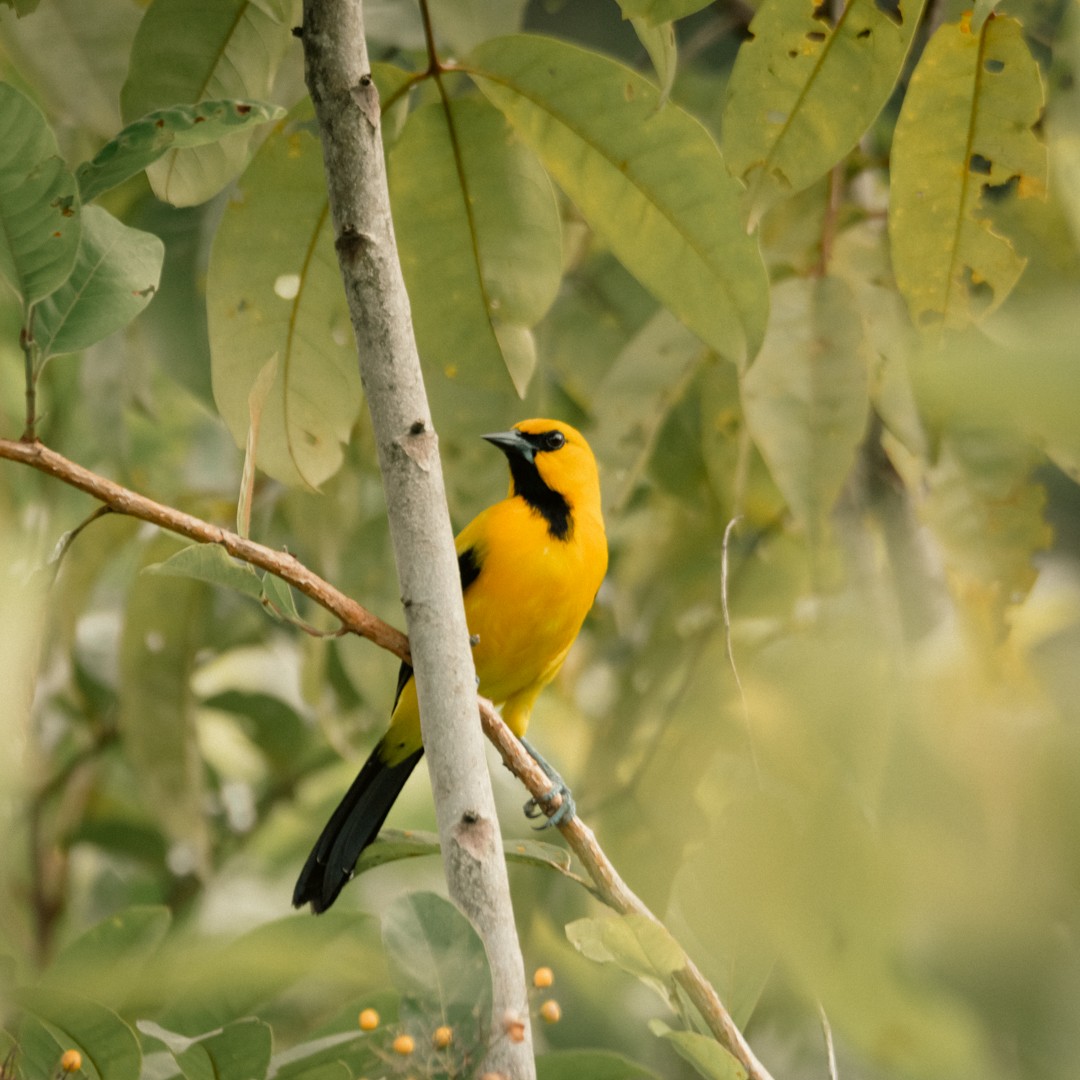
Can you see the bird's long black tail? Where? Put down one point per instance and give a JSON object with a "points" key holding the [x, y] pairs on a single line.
{"points": [[352, 826]]}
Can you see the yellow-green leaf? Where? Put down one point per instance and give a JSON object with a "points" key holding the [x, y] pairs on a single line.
{"points": [[274, 288], [805, 88], [650, 181], [965, 128]]}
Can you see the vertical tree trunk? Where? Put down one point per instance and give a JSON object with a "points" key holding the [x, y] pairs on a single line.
{"points": [[347, 108]]}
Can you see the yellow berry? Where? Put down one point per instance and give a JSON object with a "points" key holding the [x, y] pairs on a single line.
{"points": [[71, 1061], [404, 1045], [550, 1011], [543, 977], [369, 1020], [443, 1037]]}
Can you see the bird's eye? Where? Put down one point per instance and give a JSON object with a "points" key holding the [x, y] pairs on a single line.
{"points": [[553, 440]]}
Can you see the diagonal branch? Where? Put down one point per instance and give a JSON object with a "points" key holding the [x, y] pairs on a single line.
{"points": [[609, 885]]}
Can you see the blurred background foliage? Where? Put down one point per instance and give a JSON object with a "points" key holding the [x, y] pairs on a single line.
{"points": [[861, 802]]}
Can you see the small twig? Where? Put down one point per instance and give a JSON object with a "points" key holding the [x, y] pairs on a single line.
{"points": [[614, 892], [29, 348], [830, 1049], [832, 213]]}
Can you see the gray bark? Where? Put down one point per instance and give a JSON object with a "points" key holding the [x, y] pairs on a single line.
{"points": [[347, 109]]}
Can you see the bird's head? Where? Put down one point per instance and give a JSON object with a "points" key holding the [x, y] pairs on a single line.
{"points": [[551, 455]]}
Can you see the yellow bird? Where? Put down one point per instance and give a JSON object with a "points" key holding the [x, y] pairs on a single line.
{"points": [[530, 568]]}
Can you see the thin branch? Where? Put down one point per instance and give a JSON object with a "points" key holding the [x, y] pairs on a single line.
{"points": [[610, 887], [29, 348]]}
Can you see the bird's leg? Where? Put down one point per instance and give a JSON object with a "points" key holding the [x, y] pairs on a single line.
{"points": [[533, 809]]}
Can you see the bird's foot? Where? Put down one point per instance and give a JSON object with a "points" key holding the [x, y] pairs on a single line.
{"points": [[534, 808]]}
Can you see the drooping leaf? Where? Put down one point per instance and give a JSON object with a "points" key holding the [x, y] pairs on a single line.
{"points": [[274, 288], [804, 90], [229, 49], [806, 397], [965, 129], [655, 12], [115, 276], [594, 1064], [141, 143], [40, 220], [212, 564], [637, 944], [479, 237], [659, 42], [109, 1048], [702, 1051], [651, 182], [237, 1051]]}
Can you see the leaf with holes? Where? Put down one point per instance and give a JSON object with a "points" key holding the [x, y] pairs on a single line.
{"points": [[274, 288], [650, 181], [115, 276], [963, 138], [188, 51], [806, 87], [39, 201], [141, 143], [480, 241]]}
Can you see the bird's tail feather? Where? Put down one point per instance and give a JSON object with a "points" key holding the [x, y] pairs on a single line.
{"points": [[352, 826]]}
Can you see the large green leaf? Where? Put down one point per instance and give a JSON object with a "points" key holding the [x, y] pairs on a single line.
{"points": [[115, 276], [804, 90], [237, 1051], [965, 128], [650, 180], [274, 289], [141, 143], [187, 51], [479, 238], [439, 967], [806, 397], [39, 202], [109, 1047]]}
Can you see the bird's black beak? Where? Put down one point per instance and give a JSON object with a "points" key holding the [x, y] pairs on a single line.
{"points": [[512, 443]]}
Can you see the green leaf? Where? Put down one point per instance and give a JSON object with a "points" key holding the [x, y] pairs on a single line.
{"points": [[39, 202], [659, 43], [965, 128], [395, 844], [115, 276], [655, 12], [637, 944], [162, 630], [342, 1056], [274, 288], [141, 143], [650, 181], [438, 964], [238, 1051], [591, 1064], [803, 91], [229, 49], [702, 1051], [277, 594], [109, 1047], [212, 564], [110, 957], [806, 396], [480, 241]]}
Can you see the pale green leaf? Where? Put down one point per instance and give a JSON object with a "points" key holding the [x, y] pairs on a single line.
{"points": [[109, 1047], [141, 143], [115, 276], [806, 397], [260, 391], [590, 1064], [966, 126], [438, 963], [274, 288], [479, 237], [803, 90], [637, 944], [277, 598], [188, 51], [655, 12], [39, 202], [237, 1051], [161, 634], [659, 43], [702, 1051], [650, 181], [463, 24], [212, 564]]}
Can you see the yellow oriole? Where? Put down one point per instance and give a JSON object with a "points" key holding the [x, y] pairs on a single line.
{"points": [[530, 568]]}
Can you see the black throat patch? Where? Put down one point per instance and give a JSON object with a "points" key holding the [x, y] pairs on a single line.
{"points": [[548, 503]]}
